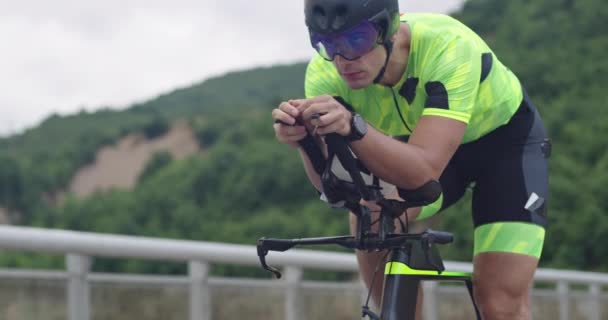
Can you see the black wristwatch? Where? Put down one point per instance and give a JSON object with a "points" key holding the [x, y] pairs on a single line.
{"points": [[358, 128]]}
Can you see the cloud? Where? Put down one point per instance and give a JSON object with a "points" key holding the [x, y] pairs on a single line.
{"points": [[61, 56]]}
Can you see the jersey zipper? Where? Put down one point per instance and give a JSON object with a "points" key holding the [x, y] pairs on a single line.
{"points": [[399, 110]]}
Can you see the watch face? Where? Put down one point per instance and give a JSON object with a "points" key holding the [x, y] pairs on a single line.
{"points": [[360, 125]]}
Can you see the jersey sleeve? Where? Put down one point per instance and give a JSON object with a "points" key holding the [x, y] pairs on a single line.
{"points": [[321, 78], [451, 79]]}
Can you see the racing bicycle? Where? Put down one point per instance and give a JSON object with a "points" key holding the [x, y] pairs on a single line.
{"points": [[412, 257]]}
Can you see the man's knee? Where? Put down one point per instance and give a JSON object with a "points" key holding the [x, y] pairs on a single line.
{"points": [[501, 283], [501, 303]]}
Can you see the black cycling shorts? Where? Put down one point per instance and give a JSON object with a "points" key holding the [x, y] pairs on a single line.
{"points": [[507, 169]]}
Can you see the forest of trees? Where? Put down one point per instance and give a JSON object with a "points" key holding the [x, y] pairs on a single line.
{"points": [[247, 185]]}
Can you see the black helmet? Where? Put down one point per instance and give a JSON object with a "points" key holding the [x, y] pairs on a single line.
{"points": [[335, 16]]}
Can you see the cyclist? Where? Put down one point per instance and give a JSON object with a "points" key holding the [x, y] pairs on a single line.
{"points": [[421, 97]]}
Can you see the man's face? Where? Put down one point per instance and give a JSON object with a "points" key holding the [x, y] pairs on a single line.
{"points": [[361, 72]]}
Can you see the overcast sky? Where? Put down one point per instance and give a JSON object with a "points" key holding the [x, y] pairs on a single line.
{"points": [[62, 56]]}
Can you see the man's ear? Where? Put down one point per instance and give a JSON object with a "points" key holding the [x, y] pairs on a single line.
{"points": [[394, 37]]}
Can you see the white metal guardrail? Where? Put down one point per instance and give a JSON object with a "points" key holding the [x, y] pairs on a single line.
{"points": [[80, 247]]}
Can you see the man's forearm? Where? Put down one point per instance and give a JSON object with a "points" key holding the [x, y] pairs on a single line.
{"points": [[394, 161]]}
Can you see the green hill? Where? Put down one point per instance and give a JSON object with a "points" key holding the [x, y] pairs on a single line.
{"points": [[246, 184]]}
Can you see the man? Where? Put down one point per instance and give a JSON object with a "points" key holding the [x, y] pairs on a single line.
{"points": [[467, 120]]}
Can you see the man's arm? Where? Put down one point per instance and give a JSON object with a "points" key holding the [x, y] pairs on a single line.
{"points": [[410, 165], [407, 165]]}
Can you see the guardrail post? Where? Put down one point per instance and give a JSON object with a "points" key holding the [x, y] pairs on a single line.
{"points": [[563, 292], [429, 301], [293, 276], [200, 295], [595, 290], [79, 303]]}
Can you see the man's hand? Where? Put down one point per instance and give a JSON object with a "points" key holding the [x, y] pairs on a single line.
{"points": [[334, 117], [288, 127]]}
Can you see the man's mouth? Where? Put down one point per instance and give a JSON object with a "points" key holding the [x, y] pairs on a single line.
{"points": [[352, 74]]}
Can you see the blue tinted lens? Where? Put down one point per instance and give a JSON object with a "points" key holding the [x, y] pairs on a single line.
{"points": [[350, 44], [326, 49]]}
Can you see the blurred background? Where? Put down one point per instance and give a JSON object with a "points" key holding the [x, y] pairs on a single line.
{"points": [[152, 118]]}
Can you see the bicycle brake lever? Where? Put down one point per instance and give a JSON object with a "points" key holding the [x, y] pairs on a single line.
{"points": [[262, 253], [427, 243]]}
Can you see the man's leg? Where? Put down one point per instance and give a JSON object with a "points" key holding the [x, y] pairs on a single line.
{"points": [[509, 213], [506, 257], [502, 284]]}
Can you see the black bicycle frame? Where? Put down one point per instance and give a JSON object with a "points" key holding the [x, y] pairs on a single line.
{"points": [[402, 281]]}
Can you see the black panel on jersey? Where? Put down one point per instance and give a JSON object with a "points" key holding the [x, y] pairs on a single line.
{"points": [[486, 65], [438, 95], [408, 90]]}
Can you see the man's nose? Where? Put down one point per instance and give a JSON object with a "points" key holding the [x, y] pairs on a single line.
{"points": [[340, 61]]}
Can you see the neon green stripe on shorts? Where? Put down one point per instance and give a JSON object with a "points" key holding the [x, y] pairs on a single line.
{"points": [[513, 237], [429, 210]]}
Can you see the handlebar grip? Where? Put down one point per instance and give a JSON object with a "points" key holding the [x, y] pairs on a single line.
{"points": [[440, 237]]}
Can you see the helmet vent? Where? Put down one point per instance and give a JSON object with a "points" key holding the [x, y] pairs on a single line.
{"points": [[340, 17], [320, 17]]}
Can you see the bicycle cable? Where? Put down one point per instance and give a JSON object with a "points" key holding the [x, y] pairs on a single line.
{"points": [[404, 227], [377, 219], [371, 286]]}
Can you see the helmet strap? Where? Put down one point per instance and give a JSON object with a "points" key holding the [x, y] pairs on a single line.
{"points": [[388, 45]]}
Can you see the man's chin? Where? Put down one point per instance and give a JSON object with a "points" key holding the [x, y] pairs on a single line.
{"points": [[358, 84]]}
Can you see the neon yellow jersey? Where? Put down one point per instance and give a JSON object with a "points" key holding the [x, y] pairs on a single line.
{"points": [[451, 72]]}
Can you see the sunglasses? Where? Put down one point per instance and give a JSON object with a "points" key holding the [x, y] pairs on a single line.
{"points": [[350, 45]]}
